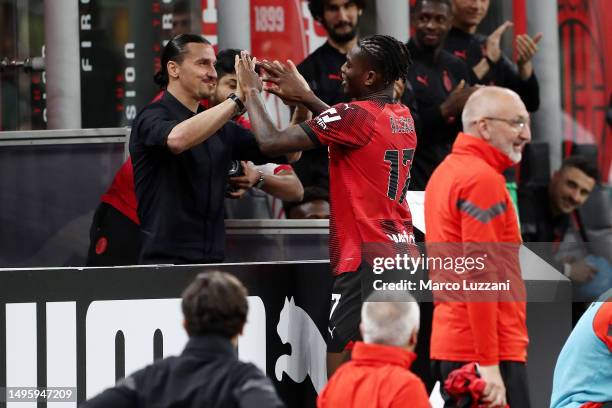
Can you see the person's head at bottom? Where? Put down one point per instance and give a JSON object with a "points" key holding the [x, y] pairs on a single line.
{"points": [[390, 319], [215, 303], [378, 374]]}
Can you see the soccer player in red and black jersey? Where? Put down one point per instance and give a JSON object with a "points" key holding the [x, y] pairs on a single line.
{"points": [[371, 143]]}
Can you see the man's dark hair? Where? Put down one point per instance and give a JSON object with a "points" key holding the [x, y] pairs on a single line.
{"points": [[175, 50], [387, 55], [225, 62], [311, 193], [419, 4], [181, 7], [215, 303], [583, 164], [317, 7]]}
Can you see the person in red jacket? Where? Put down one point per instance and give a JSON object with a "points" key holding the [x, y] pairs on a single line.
{"points": [[466, 202], [378, 375]]}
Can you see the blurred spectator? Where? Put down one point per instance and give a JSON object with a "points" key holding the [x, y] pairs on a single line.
{"points": [[483, 54], [208, 372], [440, 86], [547, 212], [583, 374], [378, 374], [321, 69], [184, 18], [314, 205], [466, 201], [570, 222]]}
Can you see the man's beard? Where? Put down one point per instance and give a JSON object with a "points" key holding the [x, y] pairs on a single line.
{"points": [[510, 152], [427, 47], [342, 38]]}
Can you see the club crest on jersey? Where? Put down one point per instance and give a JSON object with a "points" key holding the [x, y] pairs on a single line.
{"points": [[402, 124], [330, 115], [448, 85]]}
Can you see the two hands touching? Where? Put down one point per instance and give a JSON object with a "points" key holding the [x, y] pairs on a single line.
{"points": [[288, 84], [282, 80]]}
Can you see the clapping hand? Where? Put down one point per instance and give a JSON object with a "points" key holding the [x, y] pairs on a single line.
{"points": [[493, 42], [527, 47]]}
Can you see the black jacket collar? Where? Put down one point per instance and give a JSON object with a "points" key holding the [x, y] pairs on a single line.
{"points": [[177, 108], [210, 346]]}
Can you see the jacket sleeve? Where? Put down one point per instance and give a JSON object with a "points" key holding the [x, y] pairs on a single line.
{"points": [[482, 206], [123, 395], [602, 323], [256, 391], [345, 124], [245, 146]]}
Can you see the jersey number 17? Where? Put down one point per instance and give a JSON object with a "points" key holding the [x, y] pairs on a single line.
{"points": [[393, 158]]}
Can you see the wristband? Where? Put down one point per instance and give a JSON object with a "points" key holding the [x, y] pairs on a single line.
{"points": [[261, 181], [240, 108]]}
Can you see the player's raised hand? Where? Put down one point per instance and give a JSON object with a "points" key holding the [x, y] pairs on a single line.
{"points": [[248, 79], [493, 41], [285, 81]]}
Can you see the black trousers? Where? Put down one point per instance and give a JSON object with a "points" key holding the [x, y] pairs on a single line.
{"points": [[513, 373], [114, 238]]}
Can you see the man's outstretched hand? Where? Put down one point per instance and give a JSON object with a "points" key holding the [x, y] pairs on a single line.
{"points": [[285, 81], [248, 79]]}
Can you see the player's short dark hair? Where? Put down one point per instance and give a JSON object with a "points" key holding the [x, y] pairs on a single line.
{"points": [[311, 193], [317, 7], [215, 303], [419, 4], [583, 164], [387, 55], [225, 64], [175, 50]]}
